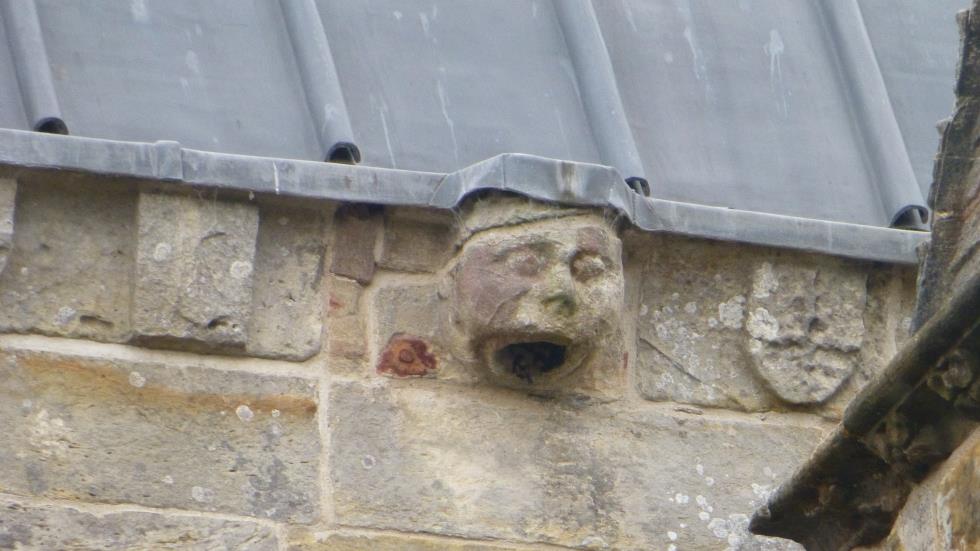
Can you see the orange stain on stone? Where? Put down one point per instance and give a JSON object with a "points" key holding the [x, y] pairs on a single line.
{"points": [[406, 356]]}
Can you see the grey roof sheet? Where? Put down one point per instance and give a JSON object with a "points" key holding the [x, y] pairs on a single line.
{"points": [[819, 110], [536, 177]]}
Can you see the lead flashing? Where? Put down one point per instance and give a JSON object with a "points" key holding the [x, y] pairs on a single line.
{"points": [[564, 182]]}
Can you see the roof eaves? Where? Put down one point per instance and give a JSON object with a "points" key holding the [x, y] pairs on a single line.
{"points": [[540, 178]]}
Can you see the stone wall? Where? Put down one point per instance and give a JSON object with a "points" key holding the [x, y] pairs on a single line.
{"points": [[955, 193], [941, 512], [181, 369]]}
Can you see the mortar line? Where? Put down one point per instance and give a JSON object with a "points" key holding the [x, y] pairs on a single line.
{"points": [[327, 513], [102, 509], [502, 543], [65, 346]]}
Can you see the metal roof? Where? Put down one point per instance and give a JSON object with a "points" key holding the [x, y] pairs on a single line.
{"points": [[820, 110], [536, 177]]}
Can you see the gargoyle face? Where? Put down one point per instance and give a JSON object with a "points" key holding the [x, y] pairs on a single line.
{"points": [[536, 301]]}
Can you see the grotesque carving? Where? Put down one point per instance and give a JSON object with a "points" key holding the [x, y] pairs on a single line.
{"points": [[536, 302]]}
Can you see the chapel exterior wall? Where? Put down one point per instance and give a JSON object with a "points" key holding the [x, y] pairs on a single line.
{"points": [[265, 373]]}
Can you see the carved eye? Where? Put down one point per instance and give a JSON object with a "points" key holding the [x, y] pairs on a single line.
{"points": [[525, 262], [586, 266]]}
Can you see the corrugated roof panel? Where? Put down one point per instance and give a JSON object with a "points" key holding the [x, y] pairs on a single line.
{"points": [[439, 85], [11, 102], [814, 109], [916, 46], [742, 105], [218, 75]]}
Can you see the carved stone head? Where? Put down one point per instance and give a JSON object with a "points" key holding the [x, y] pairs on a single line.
{"points": [[538, 301]]}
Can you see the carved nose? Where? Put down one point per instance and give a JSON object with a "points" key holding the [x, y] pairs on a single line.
{"points": [[559, 297]]}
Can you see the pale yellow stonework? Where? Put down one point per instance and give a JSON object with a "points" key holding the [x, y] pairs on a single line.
{"points": [[181, 371]]}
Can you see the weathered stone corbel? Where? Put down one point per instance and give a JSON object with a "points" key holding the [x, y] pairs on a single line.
{"points": [[193, 273]]}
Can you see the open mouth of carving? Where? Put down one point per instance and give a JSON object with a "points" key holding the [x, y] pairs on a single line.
{"points": [[528, 360]]}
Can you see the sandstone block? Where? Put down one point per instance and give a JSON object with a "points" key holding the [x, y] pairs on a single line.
{"points": [[414, 309], [917, 529], [346, 343], [954, 200], [965, 261], [419, 241], [116, 429], [691, 324], [345, 332], [70, 267], [941, 511], [286, 318], [342, 296], [194, 267], [959, 498], [411, 333], [27, 526], [8, 193], [356, 229], [745, 327], [495, 464]]}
